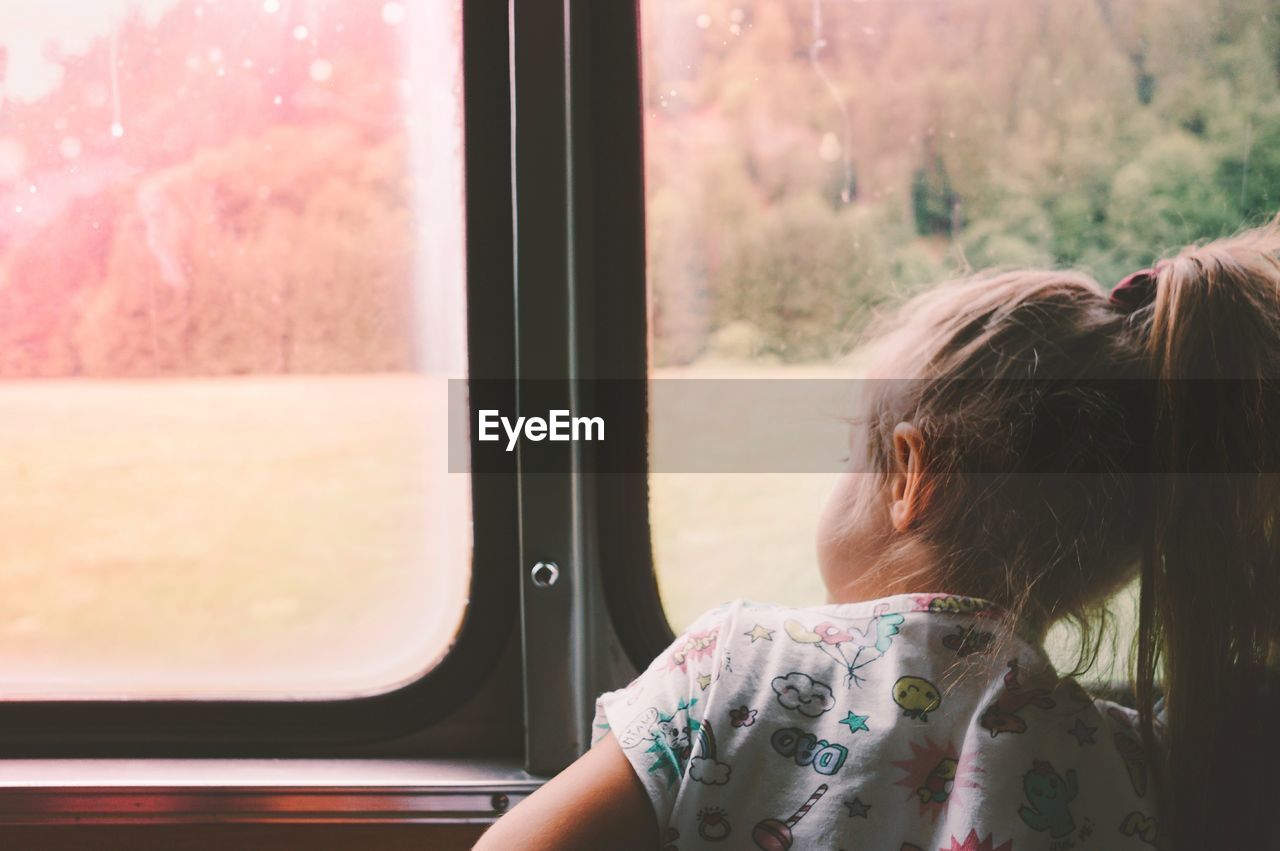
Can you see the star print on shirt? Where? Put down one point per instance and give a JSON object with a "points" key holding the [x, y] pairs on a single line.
{"points": [[857, 809], [1083, 732], [856, 722], [757, 632], [704, 681]]}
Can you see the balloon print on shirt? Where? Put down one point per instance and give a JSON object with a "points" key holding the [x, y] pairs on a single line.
{"points": [[917, 697], [850, 647], [775, 835], [802, 693], [1049, 797], [1001, 716], [704, 767], [934, 774], [670, 738], [713, 824]]}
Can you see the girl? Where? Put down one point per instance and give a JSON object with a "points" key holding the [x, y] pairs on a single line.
{"points": [[1047, 444]]}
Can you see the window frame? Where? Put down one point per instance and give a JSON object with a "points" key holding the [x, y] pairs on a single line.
{"points": [[106, 728], [581, 316], [630, 583], [554, 291]]}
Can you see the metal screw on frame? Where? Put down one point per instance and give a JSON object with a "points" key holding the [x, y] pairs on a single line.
{"points": [[544, 574]]}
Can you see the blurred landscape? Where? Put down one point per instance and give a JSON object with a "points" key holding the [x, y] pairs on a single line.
{"points": [[259, 536], [809, 160], [223, 463], [253, 214]]}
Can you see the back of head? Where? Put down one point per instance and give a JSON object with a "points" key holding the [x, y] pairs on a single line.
{"points": [[1017, 380]]}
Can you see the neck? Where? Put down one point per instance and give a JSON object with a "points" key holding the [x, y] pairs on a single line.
{"points": [[909, 567]]}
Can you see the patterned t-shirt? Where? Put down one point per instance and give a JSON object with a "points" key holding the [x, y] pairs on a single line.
{"points": [[912, 723]]}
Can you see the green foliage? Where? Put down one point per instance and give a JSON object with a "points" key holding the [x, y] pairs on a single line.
{"points": [[933, 201], [991, 132], [1168, 196], [805, 275], [1250, 173], [301, 263]]}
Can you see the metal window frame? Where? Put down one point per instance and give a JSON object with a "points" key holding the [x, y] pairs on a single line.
{"points": [[254, 791], [581, 313], [170, 728], [554, 157]]}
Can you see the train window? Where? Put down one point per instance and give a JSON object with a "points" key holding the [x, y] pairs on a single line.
{"points": [[807, 161], [231, 295]]}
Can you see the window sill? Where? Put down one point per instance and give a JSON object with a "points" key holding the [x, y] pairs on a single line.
{"points": [[300, 791]]}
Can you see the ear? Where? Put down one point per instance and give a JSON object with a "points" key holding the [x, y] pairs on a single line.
{"points": [[907, 487]]}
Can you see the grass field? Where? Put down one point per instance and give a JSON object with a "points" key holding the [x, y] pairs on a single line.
{"points": [[301, 537], [240, 536]]}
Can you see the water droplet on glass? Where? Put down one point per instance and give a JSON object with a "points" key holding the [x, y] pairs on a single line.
{"points": [[271, 6], [69, 147], [300, 32], [32, 189], [737, 16], [393, 13], [735, 29], [321, 70], [18, 209], [277, 100], [703, 21], [117, 129]]}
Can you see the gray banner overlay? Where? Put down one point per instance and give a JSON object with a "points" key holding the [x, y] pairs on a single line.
{"points": [[783, 425]]}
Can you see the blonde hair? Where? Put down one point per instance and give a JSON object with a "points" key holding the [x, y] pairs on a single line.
{"points": [[1072, 443]]}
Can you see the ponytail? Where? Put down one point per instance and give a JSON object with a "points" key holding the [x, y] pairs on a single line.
{"points": [[1210, 569]]}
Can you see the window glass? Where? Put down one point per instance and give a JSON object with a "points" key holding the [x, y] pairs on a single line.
{"points": [[231, 296], [807, 161]]}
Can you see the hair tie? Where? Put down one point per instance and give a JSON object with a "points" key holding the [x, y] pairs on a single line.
{"points": [[1137, 290]]}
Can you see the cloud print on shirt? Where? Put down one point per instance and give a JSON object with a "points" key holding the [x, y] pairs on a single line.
{"points": [[804, 694]]}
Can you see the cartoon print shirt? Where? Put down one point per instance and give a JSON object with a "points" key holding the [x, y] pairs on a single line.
{"points": [[911, 723]]}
